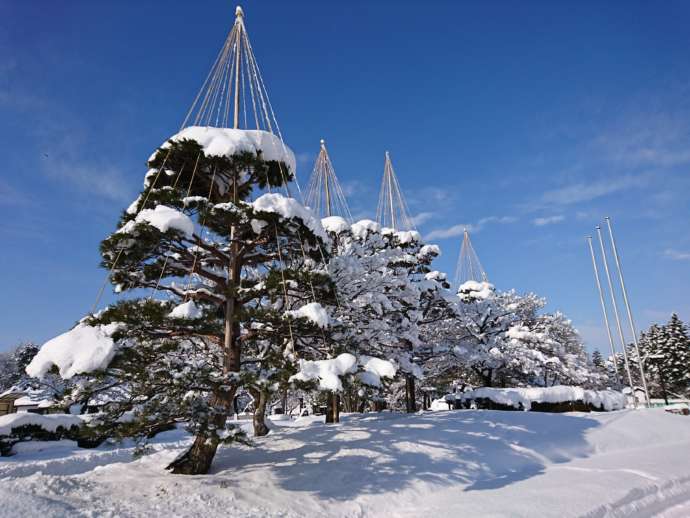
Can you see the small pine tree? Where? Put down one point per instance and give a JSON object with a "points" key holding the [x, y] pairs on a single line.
{"points": [[597, 359]]}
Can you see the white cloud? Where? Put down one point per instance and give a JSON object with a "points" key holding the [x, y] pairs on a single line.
{"points": [[581, 192], [422, 217], [457, 230], [677, 255], [540, 222]]}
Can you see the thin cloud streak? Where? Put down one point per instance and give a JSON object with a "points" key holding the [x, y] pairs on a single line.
{"points": [[457, 230], [540, 222]]}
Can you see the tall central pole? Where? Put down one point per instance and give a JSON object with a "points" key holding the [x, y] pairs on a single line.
{"points": [[232, 356], [617, 316], [627, 308], [389, 179], [603, 309], [326, 172], [239, 23]]}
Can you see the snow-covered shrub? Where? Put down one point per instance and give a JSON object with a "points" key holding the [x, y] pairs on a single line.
{"points": [[23, 427]]}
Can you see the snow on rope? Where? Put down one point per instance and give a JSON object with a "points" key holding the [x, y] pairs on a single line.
{"points": [[49, 422], [228, 142], [606, 399], [327, 372], [313, 312], [82, 349], [163, 218], [289, 208]]}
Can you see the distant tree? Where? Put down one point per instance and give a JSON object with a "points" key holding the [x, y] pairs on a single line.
{"points": [[666, 351]]}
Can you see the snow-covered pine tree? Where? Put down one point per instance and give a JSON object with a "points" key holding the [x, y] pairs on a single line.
{"points": [[238, 273], [14, 362], [383, 293], [597, 359], [666, 350]]}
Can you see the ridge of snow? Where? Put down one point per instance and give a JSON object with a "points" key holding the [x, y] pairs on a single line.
{"points": [[163, 218], [314, 312], [82, 349], [607, 399], [230, 141], [327, 372], [289, 208]]}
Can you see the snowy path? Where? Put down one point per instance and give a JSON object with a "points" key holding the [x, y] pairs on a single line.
{"points": [[459, 463]]}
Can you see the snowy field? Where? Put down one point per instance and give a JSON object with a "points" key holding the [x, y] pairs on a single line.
{"points": [[446, 463]]}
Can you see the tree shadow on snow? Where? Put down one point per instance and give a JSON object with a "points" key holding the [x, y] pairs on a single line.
{"points": [[377, 453]]}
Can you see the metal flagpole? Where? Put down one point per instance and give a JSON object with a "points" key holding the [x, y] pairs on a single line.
{"points": [[603, 309], [627, 308], [615, 312]]}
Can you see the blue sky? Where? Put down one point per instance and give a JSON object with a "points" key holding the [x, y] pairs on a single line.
{"points": [[526, 122]]}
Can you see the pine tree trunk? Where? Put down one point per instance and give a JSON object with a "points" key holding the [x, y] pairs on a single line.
{"points": [[333, 408], [260, 401], [410, 401], [198, 458]]}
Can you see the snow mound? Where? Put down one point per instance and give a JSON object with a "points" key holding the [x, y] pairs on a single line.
{"points": [[335, 224], [327, 372], [363, 227], [313, 312], [186, 310], [49, 422], [473, 290], [82, 349], [606, 399], [373, 369], [228, 142], [163, 218], [289, 208]]}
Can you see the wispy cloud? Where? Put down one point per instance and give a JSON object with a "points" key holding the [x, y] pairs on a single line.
{"points": [[457, 230], [550, 220], [677, 255], [422, 217], [582, 192]]}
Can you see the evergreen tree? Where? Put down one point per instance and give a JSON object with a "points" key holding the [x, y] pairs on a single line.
{"points": [[666, 350], [238, 274], [597, 359]]}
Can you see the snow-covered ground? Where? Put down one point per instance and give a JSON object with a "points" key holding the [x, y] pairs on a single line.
{"points": [[446, 463]]}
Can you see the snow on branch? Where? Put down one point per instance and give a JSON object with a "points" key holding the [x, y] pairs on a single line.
{"points": [[314, 312], [186, 310], [289, 208], [163, 218], [373, 369], [327, 372], [229, 141], [82, 349]]}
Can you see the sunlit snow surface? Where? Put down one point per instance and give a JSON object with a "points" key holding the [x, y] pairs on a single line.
{"points": [[440, 464]]}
